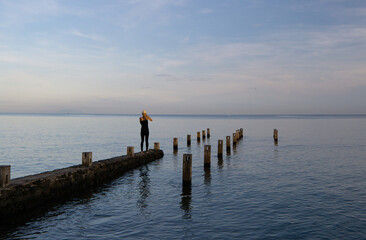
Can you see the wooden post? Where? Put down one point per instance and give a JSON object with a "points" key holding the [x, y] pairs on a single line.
{"points": [[86, 159], [275, 135], [198, 136], [220, 148], [188, 140], [207, 156], [130, 151], [187, 169], [241, 133], [4, 175], [237, 135], [234, 139], [175, 144], [203, 134], [208, 133], [228, 144], [157, 146]]}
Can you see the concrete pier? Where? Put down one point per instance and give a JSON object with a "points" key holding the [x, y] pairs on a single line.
{"points": [[25, 195]]}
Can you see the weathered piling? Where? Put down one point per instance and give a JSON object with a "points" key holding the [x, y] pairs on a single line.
{"points": [[156, 146], [275, 135], [207, 156], [220, 146], [86, 159], [130, 151], [4, 175], [198, 136], [203, 134], [241, 133], [188, 140], [228, 145], [175, 144], [187, 170], [26, 196], [237, 135], [234, 139], [208, 133]]}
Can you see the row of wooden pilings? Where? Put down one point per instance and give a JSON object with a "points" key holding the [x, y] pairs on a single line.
{"points": [[187, 158], [86, 161]]}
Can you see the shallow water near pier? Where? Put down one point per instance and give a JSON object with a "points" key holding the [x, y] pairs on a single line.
{"points": [[312, 185]]}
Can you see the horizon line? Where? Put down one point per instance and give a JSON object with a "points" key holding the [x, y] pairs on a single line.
{"points": [[182, 114]]}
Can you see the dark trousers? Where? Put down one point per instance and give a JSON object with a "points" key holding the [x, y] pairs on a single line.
{"points": [[146, 136]]}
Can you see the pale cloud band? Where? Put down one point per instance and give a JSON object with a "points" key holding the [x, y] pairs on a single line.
{"points": [[178, 57]]}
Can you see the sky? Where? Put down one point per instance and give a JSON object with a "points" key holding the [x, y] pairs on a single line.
{"points": [[183, 56]]}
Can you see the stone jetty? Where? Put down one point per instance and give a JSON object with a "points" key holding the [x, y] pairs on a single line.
{"points": [[26, 194]]}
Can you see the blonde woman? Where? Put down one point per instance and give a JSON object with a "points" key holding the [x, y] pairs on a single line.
{"points": [[144, 121]]}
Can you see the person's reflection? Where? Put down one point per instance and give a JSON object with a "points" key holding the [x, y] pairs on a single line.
{"points": [[144, 188], [185, 203]]}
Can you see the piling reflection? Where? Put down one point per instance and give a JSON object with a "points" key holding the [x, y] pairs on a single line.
{"points": [[186, 200], [220, 162], [207, 178], [275, 153], [234, 149], [144, 188], [228, 151]]}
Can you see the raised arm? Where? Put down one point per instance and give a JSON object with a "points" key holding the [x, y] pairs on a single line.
{"points": [[148, 117]]}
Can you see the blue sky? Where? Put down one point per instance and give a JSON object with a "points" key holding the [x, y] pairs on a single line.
{"points": [[183, 56]]}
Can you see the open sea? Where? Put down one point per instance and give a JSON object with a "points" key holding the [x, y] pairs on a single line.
{"points": [[312, 185]]}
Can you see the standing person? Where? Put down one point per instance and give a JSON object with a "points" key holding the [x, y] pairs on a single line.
{"points": [[145, 129]]}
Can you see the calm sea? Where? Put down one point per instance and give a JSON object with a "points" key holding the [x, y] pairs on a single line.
{"points": [[312, 185]]}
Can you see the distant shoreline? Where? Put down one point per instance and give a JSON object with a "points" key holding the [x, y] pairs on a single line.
{"points": [[231, 116]]}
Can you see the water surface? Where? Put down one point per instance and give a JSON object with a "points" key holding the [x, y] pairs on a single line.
{"points": [[312, 185]]}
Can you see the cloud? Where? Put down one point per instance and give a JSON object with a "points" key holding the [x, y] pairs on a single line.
{"points": [[93, 37], [20, 12], [205, 11], [141, 11], [303, 62]]}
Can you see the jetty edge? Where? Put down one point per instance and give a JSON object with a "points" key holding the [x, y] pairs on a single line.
{"points": [[25, 194]]}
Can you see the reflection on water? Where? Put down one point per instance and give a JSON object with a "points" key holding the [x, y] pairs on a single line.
{"points": [[207, 178], [186, 200], [275, 153], [144, 188], [220, 162], [175, 152], [234, 148], [315, 188]]}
